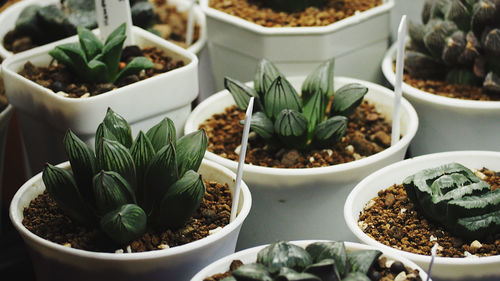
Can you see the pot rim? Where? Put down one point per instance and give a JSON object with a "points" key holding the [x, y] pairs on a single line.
{"points": [[43, 50], [386, 6], [423, 96], [151, 255], [404, 141], [353, 225], [18, 6], [349, 245]]}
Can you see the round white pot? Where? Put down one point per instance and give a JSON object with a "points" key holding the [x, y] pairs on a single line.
{"points": [[483, 268], [293, 204], [53, 261], [448, 124], [250, 256], [236, 45], [45, 116]]}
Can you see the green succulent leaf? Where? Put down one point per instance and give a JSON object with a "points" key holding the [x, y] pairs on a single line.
{"points": [[330, 251], [90, 44], [78, 61], [118, 127], [283, 254], [83, 163], [62, 189], [435, 39], [472, 227], [190, 150], [118, 32], [142, 152], [113, 156], [262, 125], [60, 56], [162, 134], [180, 201], [356, 276], [483, 12], [492, 42], [252, 272], [135, 66], [492, 82], [98, 70], [266, 73], [458, 12], [455, 46], [111, 191], [320, 80], [111, 54], [291, 127], [420, 65], [461, 76], [241, 93], [281, 95], [314, 111], [417, 32], [324, 269], [124, 224], [471, 51], [362, 260], [297, 276], [347, 98]]}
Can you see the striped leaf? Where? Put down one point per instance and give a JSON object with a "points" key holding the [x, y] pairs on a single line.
{"points": [[241, 93], [281, 95], [113, 156], [330, 131], [314, 111], [142, 152], [190, 150], [320, 80], [291, 127], [125, 223], [262, 125], [83, 164], [118, 127], [266, 73], [347, 98], [111, 191], [62, 189], [362, 260], [162, 134]]}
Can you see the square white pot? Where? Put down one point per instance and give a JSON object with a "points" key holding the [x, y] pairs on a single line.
{"points": [[357, 43], [45, 116], [307, 203]]}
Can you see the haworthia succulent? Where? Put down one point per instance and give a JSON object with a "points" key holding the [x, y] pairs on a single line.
{"points": [[190, 150], [125, 223]]}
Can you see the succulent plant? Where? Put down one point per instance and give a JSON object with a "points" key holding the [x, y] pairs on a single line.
{"points": [[453, 196], [95, 62], [459, 41], [292, 5], [127, 185], [317, 118], [319, 261]]}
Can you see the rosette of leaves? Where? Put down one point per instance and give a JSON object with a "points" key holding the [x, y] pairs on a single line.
{"points": [[453, 196], [319, 261], [459, 41], [95, 62], [292, 5], [317, 118], [126, 185]]}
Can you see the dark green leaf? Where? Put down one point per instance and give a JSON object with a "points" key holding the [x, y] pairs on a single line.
{"points": [[297, 276], [60, 56], [320, 80], [291, 127], [111, 191], [347, 98], [252, 272], [135, 66], [162, 134], [483, 12], [98, 71], [118, 127], [125, 223], [142, 152], [266, 73], [461, 76], [90, 44], [457, 12], [190, 150], [262, 125], [362, 260], [118, 32], [241, 93], [330, 131], [113, 156], [331, 250], [325, 269], [281, 95], [435, 39], [78, 60], [455, 46], [356, 276], [27, 22], [492, 41], [492, 82], [283, 254], [314, 111], [478, 227], [111, 54]]}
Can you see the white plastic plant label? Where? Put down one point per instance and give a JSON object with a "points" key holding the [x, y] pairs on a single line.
{"points": [[112, 13]]}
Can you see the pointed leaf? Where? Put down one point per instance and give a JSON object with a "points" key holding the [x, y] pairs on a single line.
{"points": [[471, 51], [291, 127], [101, 133], [314, 110], [190, 150], [455, 46], [83, 164], [111, 191], [98, 71], [124, 224], [281, 95], [60, 56], [457, 12], [180, 201], [266, 73], [283, 254], [483, 12], [78, 61], [62, 189], [113, 156], [347, 98], [362, 260], [492, 82], [252, 272], [262, 125], [142, 152], [134, 67], [111, 54], [435, 39], [331, 250], [241, 93], [324, 269], [492, 42], [162, 134], [119, 127], [119, 31], [321, 79], [90, 44]]}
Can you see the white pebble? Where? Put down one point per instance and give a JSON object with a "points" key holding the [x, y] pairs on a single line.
{"points": [[403, 210], [369, 204], [86, 95], [311, 159], [469, 255], [388, 263], [212, 231], [62, 94], [67, 245], [163, 246], [476, 244], [329, 151], [363, 225], [129, 249], [237, 150], [349, 148], [433, 238], [119, 251], [401, 276], [479, 174], [252, 135], [357, 156]]}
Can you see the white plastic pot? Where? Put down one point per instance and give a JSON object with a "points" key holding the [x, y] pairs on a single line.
{"points": [[56, 262], [483, 268], [45, 116], [448, 124], [250, 256], [295, 204], [236, 45]]}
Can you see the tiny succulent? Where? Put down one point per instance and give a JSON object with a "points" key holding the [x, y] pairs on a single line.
{"points": [[319, 261], [292, 5], [317, 118], [453, 196], [95, 62], [128, 185], [459, 41]]}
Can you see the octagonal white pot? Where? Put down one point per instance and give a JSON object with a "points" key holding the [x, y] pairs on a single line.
{"points": [[448, 124], [465, 269], [295, 204], [250, 256], [53, 261], [45, 116], [236, 45]]}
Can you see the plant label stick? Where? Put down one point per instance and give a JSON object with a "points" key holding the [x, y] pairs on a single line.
{"points": [[110, 14], [241, 161], [433, 255], [190, 24], [396, 113]]}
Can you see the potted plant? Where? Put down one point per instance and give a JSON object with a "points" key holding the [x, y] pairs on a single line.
{"points": [[237, 44], [463, 252], [451, 75], [44, 115], [123, 190], [288, 199], [351, 261]]}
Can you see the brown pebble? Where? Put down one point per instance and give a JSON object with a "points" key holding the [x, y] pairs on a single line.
{"points": [[290, 158], [389, 200], [383, 138]]}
